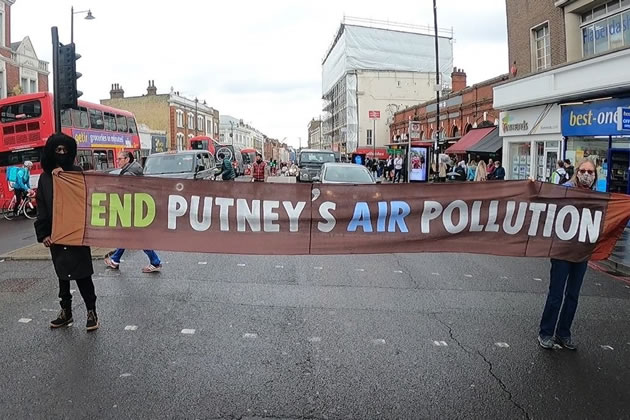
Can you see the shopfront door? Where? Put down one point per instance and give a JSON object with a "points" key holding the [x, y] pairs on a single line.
{"points": [[619, 166], [546, 159]]}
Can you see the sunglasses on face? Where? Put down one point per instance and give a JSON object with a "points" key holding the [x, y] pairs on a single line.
{"points": [[586, 171]]}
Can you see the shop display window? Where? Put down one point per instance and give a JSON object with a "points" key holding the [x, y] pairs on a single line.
{"points": [[520, 154]]}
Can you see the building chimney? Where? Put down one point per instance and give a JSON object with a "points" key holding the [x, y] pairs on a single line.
{"points": [[458, 78], [117, 92], [151, 90]]}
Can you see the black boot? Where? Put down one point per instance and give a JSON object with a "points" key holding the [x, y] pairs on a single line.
{"points": [[92, 320], [63, 318]]}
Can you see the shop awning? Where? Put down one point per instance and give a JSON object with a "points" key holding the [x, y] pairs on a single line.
{"points": [[469, 140], [489, 144]]}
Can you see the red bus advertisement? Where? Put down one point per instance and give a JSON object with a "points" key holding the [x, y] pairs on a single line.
{"points": [[26, 121]]}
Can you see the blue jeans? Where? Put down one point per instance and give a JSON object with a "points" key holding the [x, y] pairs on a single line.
{"points": [[153, 257], [566, 281]]}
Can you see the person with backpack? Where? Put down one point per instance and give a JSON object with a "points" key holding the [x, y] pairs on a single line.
{"points": [[559, 176], [227, 170], [19, 180], [130, 166]]}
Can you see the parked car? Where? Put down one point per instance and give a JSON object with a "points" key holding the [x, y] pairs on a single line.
{"points": [[344, 173], [187, 164], [310, 163]]}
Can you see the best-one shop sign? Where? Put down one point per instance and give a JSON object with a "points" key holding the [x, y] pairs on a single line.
{"points": [[602, 118]]}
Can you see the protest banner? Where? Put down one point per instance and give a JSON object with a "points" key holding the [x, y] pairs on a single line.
{"points": [[512, 218]]}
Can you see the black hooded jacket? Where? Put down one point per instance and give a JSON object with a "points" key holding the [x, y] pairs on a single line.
{"points": [[71, 262]]}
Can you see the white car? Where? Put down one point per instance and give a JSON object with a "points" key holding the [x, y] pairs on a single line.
{"points": [[344, 173]]}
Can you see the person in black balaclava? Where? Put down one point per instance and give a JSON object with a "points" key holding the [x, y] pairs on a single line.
{"points": [[71, 262]]}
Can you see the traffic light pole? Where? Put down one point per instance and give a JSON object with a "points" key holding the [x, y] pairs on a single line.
{"points": [[55, 43]]}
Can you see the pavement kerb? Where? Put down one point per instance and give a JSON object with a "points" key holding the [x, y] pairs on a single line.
{"points": [[38, 252]]}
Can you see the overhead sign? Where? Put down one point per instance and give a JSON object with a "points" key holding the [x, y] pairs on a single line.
{"points": [[543, 119], [623, 122], [599, 118], [374, 115]]}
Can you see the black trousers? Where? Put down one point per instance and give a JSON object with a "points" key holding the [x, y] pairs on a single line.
{"points": [[86, 288]]}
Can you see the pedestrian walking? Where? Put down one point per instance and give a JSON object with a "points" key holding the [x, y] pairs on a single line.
{"points": [[389, 168], [70, 262], [259, 169], [227, 170], [559, 176], [565, 280], [442, 171], [499, 171], [381, 169], [472, 169], [398, 166], [490, 169], [481, 173], [567, 167], [130, 166]]}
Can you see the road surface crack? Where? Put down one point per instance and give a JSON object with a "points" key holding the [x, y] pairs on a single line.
{"points": [[490, 367], [405, 271]]}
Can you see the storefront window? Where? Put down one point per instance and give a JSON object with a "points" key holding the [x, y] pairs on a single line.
{"points": [[615, 32], [520, 154]]}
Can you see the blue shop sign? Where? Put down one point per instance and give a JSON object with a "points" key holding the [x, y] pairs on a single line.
{"points": [[601, 118]]}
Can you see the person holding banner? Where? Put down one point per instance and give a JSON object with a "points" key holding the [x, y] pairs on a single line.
{"points": [[70, 262], [565, 280]]}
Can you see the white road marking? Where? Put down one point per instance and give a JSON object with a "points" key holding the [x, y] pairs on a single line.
{"points": [[279, 266], [440, 343], [202, 262], [537, 279], [72, 291], [188, 331], [49, 310], [241, 265], [627, 287], [606, 347], [315, 339], [501, 344], [435, 274], [359, 269], [250, 335], [378, 341], [318, 268], [125, 375], [131, 327], [24, 320], [398, 271], [598, 284], [468, 275]]}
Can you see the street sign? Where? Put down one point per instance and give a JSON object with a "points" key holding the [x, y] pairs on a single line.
{"points": [[374, 115], [623, 119]]}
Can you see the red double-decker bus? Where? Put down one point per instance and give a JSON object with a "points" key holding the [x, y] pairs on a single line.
{"points": [[26, 121]]}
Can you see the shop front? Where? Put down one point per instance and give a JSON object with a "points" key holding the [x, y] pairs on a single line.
{"points": [[532, 141], [599, 131]]}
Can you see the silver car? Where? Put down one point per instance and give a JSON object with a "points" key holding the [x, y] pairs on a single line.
{"points": [[345, 173]]}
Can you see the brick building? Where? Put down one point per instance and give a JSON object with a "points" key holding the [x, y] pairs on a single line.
{"points": [[180, 117], [536, 35], [461, 110], [20, 69]]}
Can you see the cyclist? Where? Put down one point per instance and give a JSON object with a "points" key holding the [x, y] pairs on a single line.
{"points": [[22, 184]]}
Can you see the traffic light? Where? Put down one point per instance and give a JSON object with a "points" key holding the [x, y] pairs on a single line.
{"points": [[68, 75]]}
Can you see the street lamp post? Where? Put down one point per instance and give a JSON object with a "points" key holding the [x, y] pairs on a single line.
{"points": [[89, 16]]}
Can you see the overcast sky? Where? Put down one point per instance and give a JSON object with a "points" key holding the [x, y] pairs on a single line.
{"points": [[259, 61]]}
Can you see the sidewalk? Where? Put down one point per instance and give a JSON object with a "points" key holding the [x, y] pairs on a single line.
{"points": [[619, 260], [40, 252]]}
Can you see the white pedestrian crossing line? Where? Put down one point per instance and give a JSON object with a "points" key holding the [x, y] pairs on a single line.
{"points": [[188, 331], [131, 327], [502, 345], [250, 335], [24, 320], [440, 343], [606, 347]]}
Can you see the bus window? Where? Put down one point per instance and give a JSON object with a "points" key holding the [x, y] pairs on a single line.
{"points": [[103, 159], [80, 118], [132, 125], [96, 119], [110, 159], [122, 123], [110, 122], [66, 118], [84, 159], [21, 111]]}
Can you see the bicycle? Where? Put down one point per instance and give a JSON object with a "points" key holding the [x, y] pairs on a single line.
{"points": [[26, 208]]}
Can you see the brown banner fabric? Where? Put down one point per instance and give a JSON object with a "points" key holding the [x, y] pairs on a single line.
{"points": [[514, 218]]}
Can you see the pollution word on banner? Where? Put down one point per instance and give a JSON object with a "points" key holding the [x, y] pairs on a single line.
{"points": [[511, 218]]}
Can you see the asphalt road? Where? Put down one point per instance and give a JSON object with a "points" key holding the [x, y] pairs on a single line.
{"points": [[15, 234], [388, 336]]}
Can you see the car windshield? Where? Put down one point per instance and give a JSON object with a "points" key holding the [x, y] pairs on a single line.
{"points": [[169, 164], [350, 174], [315, 157]]}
